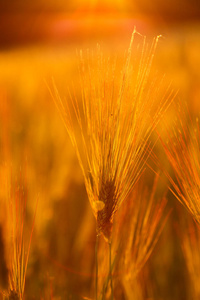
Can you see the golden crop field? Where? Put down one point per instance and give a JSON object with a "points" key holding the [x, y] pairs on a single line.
{"points": [[99, 152]]}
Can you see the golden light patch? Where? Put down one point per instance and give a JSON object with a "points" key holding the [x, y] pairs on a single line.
{"points": [[98, 205]]}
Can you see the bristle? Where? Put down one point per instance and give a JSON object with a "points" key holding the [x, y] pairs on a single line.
{"points": [[119, 109]]}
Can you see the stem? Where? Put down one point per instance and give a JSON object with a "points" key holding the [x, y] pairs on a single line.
{"points": [[110, 271], [96, 265]]}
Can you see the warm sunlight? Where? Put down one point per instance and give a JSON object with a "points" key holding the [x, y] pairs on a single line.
{"points": [[99, 150], [102, 5]]}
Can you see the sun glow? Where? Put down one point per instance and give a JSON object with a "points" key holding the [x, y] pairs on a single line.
{"points": [[102, 6]]}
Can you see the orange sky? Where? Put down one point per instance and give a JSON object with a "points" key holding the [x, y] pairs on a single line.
{"points": [[169, 9], [32, 21]]}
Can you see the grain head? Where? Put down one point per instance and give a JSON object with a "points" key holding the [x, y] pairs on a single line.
{"points": [[110, 125]]}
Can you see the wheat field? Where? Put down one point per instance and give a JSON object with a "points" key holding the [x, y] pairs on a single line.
{"points": [[120, 175]]}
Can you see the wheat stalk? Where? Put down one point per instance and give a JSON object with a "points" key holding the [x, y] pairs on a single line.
{"points": [[189, 233], [137, 228], [18, 248], [120, 106], [182, 149]]}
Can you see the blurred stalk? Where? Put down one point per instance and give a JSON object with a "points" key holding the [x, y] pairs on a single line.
{"points": [[96, 266], [110, 271]]}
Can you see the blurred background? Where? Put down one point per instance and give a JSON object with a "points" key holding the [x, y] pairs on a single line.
{"points": [[39, 40]]}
